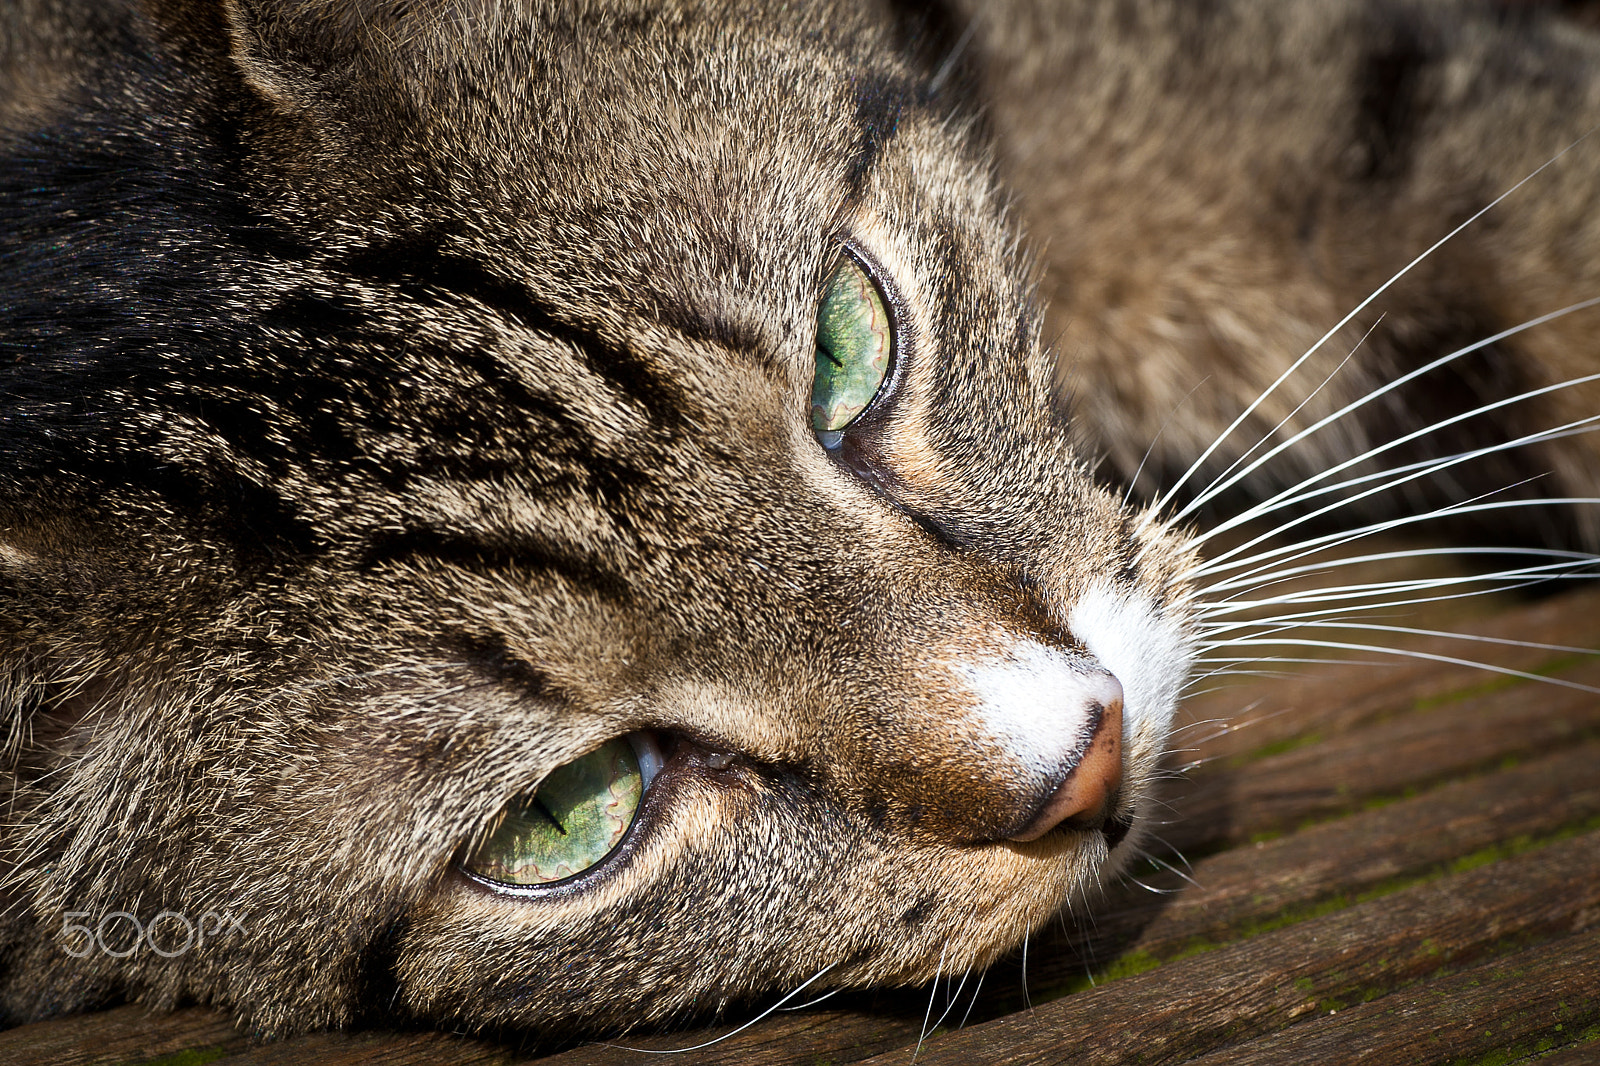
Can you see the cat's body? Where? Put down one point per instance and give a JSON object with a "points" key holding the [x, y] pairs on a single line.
{"points": [[399, 402]]}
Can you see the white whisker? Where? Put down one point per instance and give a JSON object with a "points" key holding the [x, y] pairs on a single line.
{"points": [[1473, 637], [1173, 869], [1152, 889], [1368, 600], [1128, 492], [1393, 482], [974, 1001], [952, 999], [933, 993], [1027, 1001], [1412, 653], [813, 1002], [1211, 493], [1306, 548], [1565, 560], [760, 1017], [1362, 306], [1213, 489], [1436, 462]]}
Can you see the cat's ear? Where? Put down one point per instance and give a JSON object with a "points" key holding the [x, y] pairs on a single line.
{"points": [[318, 54]]}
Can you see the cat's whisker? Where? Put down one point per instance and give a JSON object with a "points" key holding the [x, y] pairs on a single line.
{"points": [[1178, 731], [1436, 462], [1329, 541], [1223, 484], [1247, 723], [973, 1002], [1168, 845], [1286, 659], [1224, 726], [813, 1002], [1472, 637], [1173, 869], [952, 997], [1393, 482], [1395, 479], [948, 66], [1228, 672], [1212, 489], [1360, 616], [1341, 618], [1027, 1001], [1363, 602], [1152, 889], [1127, 493], [1165, 805], [758, 1018], [1412, 653], [933, 993], [1271, 577], [1205, 456]]}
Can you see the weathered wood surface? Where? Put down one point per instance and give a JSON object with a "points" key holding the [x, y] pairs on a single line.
{"points": [[1388, 863]]}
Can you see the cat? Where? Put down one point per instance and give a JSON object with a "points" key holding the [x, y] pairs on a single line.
{"points": [[565, 517]]}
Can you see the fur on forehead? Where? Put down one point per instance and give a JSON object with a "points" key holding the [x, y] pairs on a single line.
{"points": [[297, 50], [681, 173]]}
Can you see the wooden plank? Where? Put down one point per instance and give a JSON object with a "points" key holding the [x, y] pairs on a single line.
{"points": [[1584, 1053], [1231, 805], [837, 1037], [1263, 984], [1330, 700], [125, 1034], [1247, 887], [353, 1049], [1546, 995]]}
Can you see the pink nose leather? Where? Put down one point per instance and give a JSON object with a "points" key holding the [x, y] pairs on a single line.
{"points": [[1085, 794]]}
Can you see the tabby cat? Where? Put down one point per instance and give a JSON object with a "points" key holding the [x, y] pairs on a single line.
{"points": [[569, 516]]}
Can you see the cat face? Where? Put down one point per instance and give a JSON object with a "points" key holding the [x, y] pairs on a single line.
{"points": [[455, 447]]}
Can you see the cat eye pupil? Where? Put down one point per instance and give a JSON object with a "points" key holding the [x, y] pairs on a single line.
{"points": [[577, 816], [855, 345]]}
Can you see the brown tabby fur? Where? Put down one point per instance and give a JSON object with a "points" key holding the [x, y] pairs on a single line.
{"points": [[398, 400]]}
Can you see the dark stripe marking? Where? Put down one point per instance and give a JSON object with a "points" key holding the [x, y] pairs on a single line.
{"points": [[467, 552], [422, 269]]}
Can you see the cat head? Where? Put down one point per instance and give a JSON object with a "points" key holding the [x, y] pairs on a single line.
{"points": [[550, 517]]}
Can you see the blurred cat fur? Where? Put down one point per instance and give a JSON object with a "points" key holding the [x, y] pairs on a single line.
{"points": [[399, 401]]}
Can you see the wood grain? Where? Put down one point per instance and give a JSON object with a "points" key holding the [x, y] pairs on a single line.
{"points": [[1520, 1005], [116, 1036], [1247, 887], [1274, 979]]}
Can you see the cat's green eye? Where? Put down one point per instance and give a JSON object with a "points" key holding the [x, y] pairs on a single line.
{"points": [[576, 817], [855, 344]]}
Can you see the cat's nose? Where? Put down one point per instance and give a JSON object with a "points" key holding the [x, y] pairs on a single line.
{"points": [[1086, 796], [1049, 745]]}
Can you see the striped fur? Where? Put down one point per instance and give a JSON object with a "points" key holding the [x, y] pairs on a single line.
{"points": [[399, 400]]}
